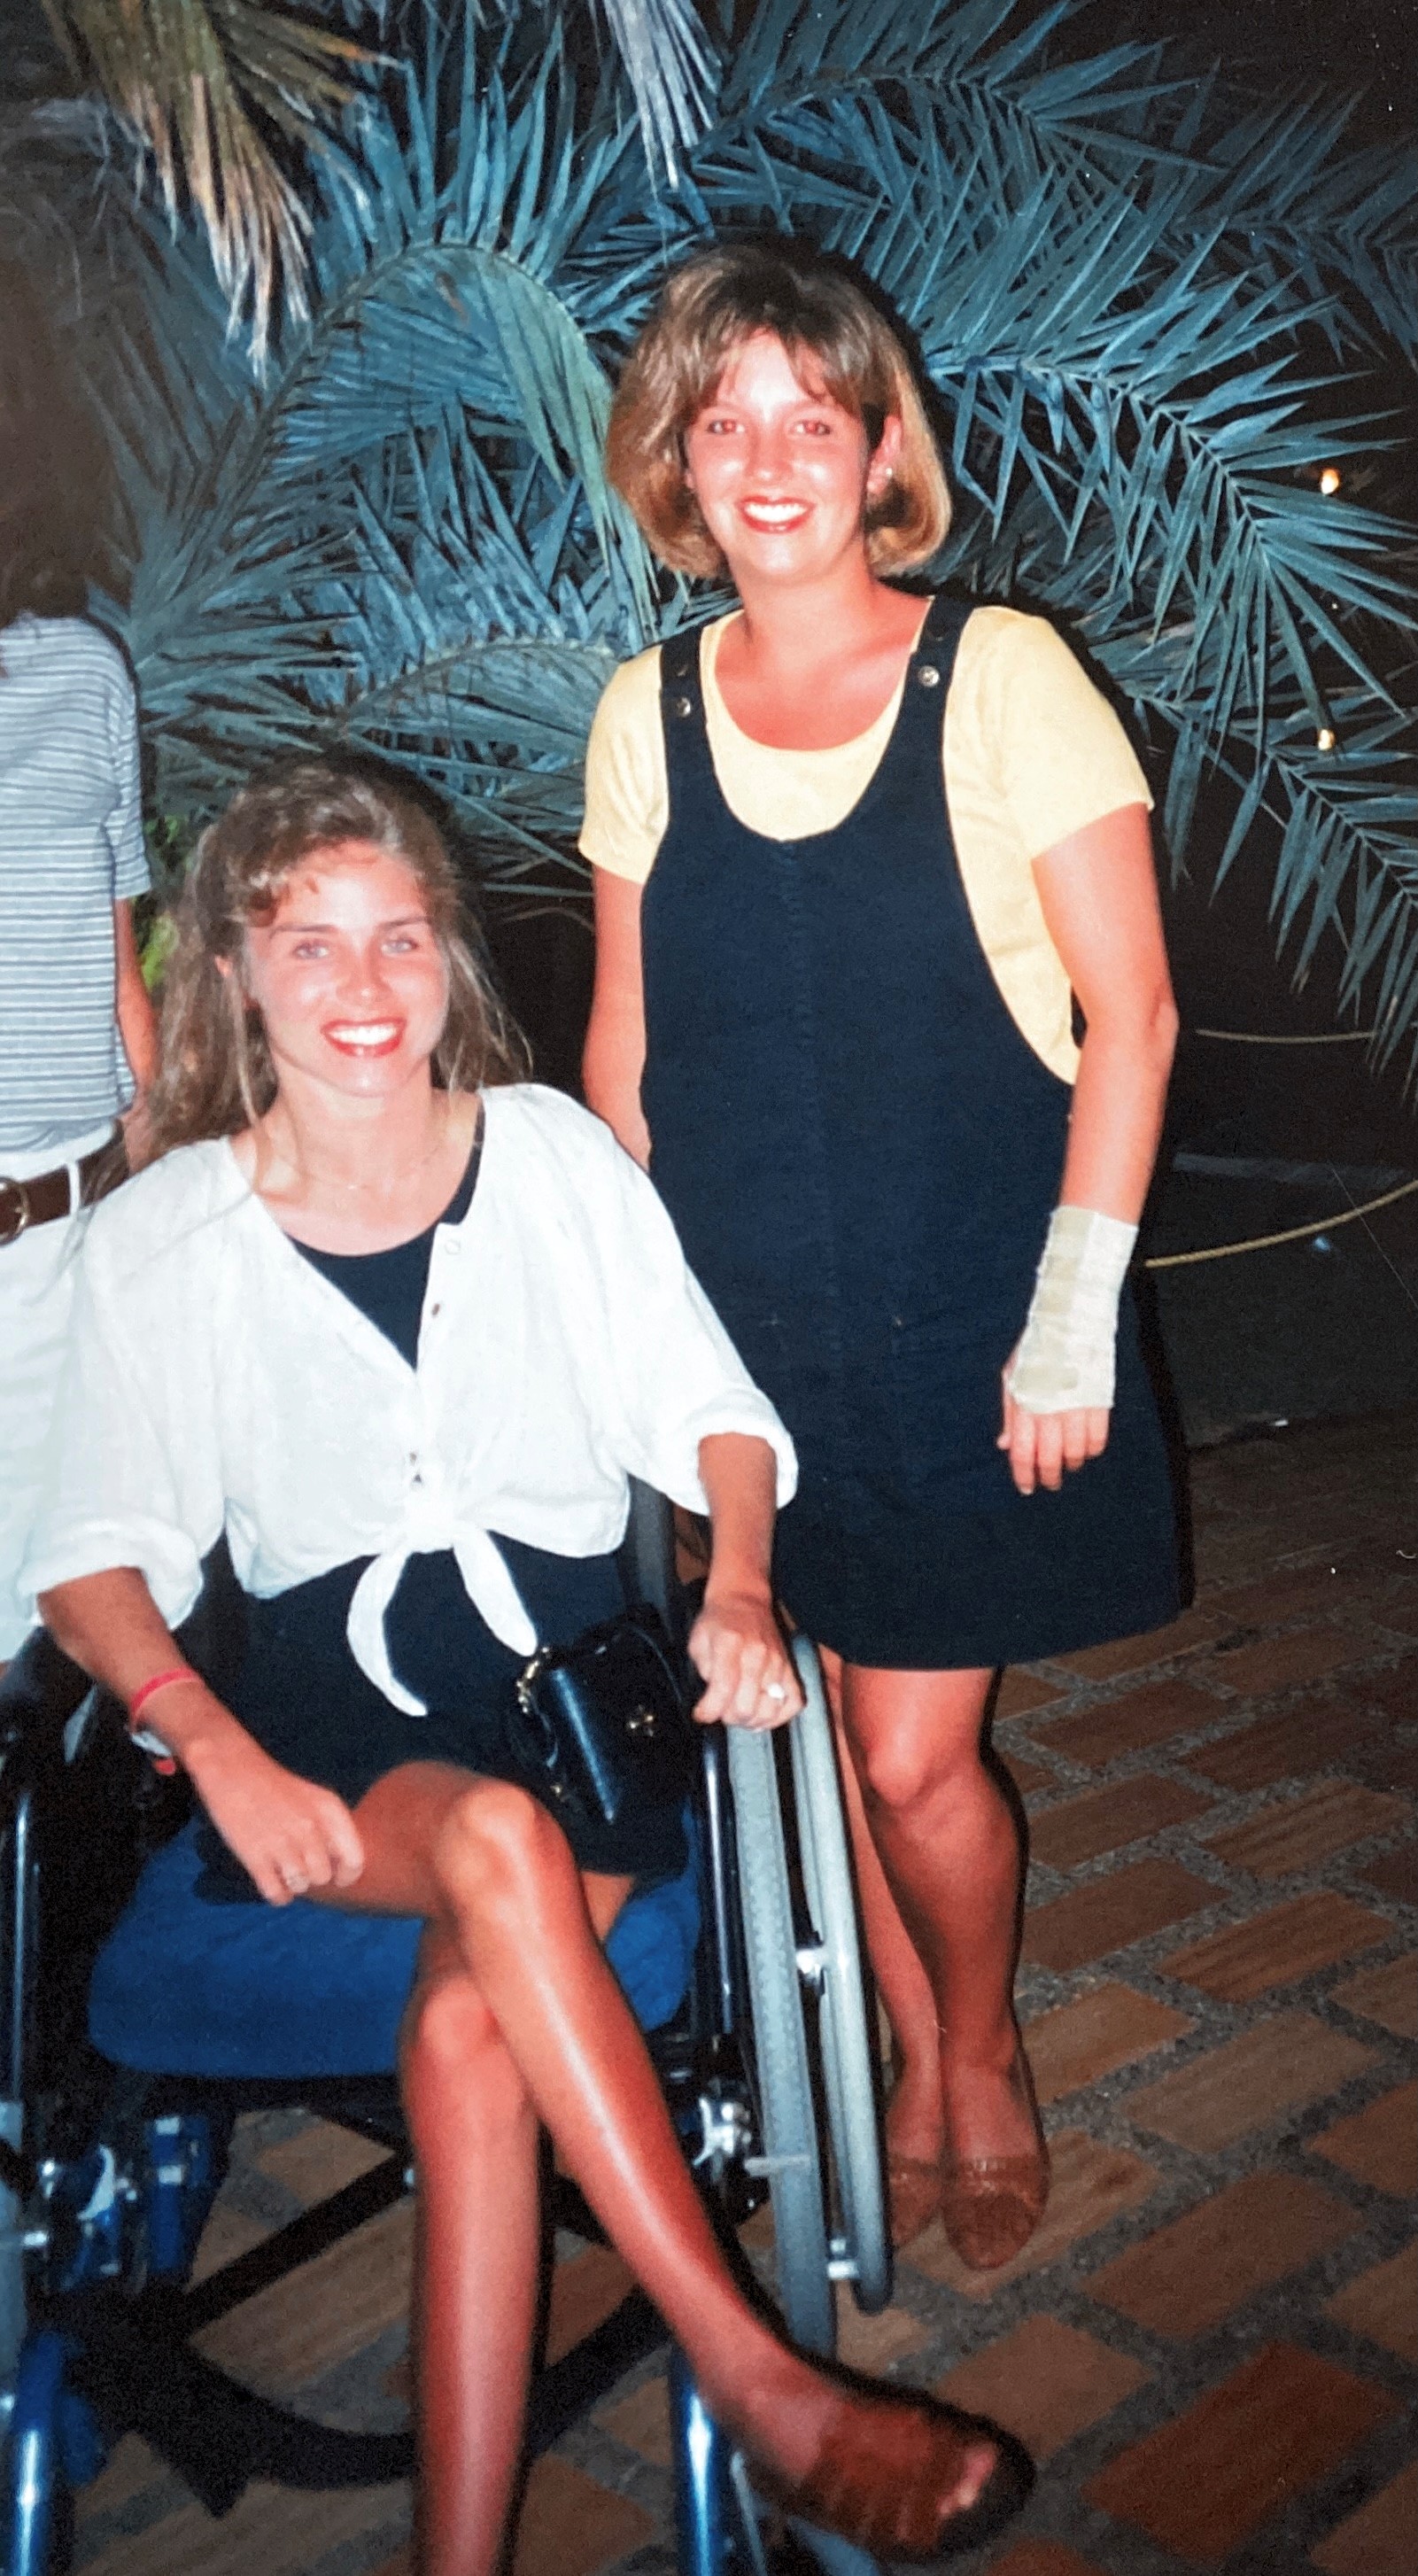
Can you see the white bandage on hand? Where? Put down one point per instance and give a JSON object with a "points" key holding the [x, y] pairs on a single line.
{"points": [[1065, 1359]]}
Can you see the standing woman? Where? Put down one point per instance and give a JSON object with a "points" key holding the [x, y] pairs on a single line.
{"points": [[856, 853]]}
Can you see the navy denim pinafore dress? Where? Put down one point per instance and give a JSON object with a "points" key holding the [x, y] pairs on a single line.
{"points": [[861, 1152]]}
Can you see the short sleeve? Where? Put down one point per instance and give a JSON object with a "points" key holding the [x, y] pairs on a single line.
{"points": [[1063, 759], [627, 794], [123, 823]]}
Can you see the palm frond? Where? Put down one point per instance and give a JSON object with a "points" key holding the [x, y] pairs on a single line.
{"points": [[985, 65], [1292, 196], [672, 71], [203, 84]]}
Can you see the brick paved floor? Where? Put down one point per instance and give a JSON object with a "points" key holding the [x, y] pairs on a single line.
{"points": [[1211, 2344]]}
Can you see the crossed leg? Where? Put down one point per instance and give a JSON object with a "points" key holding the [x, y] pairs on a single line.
{"points": [[516, 2019]]}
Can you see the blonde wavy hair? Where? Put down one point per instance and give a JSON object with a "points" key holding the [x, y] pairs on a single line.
{"points": [[836, 341], [215, 1075]]}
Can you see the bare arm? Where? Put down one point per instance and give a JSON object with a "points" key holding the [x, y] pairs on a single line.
{"points": [[736, 1642], [111, 1625], [614, 1056], [137, 1023], [1098, 891], [290, 1834]]}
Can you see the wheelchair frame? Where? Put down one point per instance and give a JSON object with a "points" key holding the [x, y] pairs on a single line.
{"points": [[770, 2071]]}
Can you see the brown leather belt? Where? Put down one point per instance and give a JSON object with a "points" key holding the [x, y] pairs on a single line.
{"points": [[24, 1204]]}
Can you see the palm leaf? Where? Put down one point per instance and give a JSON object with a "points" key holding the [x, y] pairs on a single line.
{"points": [[672, 71], [203, 85]]}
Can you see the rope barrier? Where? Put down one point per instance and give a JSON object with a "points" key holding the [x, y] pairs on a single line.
{"points": [[1291, 1234], [1320, 1037]]}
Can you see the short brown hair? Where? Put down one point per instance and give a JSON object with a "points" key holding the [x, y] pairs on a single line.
{"points": [[814, 305], [215, 1074]]}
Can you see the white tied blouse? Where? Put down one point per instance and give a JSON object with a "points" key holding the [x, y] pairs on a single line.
{"points": [[216, 1378]]}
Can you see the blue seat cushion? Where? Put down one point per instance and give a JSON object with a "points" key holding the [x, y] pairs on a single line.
{"points": [[182, 1987]]}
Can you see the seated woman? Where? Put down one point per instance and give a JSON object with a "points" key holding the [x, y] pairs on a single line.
{"points": [[375, 1301]]}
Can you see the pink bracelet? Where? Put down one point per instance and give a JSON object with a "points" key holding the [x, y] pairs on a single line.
{"points": [[160, 1681]]}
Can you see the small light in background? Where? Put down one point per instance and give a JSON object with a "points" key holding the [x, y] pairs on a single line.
{"points": [[1324, 739], [1330, 479]]}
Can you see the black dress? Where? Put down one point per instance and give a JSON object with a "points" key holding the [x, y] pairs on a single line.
{"points": [[861, 1152], [301, 1694]]}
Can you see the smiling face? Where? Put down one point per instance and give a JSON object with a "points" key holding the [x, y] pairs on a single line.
{"points": [[348, 976], [782, 472]]}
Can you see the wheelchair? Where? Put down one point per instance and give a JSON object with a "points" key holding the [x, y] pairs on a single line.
{"points": [[122, 2083]]}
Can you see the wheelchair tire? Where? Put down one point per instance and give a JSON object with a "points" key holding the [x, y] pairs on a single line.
{"points": [[783, 2077], [36, 2488], [850, 2063]]}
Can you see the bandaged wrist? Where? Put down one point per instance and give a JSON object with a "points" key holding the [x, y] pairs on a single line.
{"points": [[1065, 1359]]}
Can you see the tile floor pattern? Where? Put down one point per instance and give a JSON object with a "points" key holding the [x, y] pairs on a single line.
{"points": [[1211, 2343]]}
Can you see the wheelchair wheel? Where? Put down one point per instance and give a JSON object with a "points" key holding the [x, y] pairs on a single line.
{"points": [[850, 2064], [36, 2486], [784, 2081]]}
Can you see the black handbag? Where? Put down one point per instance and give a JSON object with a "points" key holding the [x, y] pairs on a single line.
{"points": [[603, 1725]]}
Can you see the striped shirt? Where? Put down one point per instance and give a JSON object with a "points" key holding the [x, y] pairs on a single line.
{"points": [[71, 846]]}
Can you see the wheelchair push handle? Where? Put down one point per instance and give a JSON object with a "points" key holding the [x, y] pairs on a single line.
{"points": [[648, 1557]]}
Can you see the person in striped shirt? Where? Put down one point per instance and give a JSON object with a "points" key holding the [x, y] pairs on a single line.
{"points": [[77, 1037]]}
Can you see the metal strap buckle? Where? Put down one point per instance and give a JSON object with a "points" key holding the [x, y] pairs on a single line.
{"points": [[14, 1210], [529, 1677]]}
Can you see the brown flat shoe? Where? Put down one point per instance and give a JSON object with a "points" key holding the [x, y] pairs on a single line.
{"points": [[991, 2205], [885, 2473], [912, 2193]]}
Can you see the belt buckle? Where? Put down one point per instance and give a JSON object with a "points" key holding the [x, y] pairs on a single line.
{"points": [[14, 1210]]}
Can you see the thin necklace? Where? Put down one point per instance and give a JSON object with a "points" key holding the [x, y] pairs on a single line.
{"points": [[327, 1180]]}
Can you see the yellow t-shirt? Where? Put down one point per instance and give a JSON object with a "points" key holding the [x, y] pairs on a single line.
{"points": [[1032, 753]]}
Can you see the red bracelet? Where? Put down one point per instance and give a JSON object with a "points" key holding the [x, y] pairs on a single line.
{"points": [[160, 1681]]}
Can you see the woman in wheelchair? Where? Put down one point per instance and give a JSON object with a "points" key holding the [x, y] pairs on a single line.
{"points": [[374, 1300]]}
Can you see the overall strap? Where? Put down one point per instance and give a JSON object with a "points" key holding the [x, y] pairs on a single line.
{"points": [[689, 763], [933, 659], [682, 691], [679, 662], [688, 759], [915, 745]]}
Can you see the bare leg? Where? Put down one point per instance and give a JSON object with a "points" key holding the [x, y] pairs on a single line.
{"points": [[477, 2242], [951, 1858], [492, 1870], [913, 2114], [475, 2263]]}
